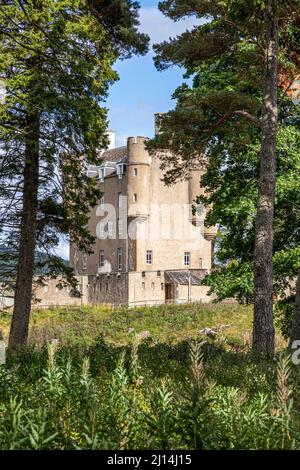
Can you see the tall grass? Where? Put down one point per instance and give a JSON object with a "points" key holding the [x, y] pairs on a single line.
{"points": [[64, 399]]}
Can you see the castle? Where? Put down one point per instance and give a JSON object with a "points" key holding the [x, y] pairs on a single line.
{"points": [[150, 247]]}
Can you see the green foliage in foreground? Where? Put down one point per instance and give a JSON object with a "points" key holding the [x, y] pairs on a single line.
{"points": [[193, 395], [103, 389]]}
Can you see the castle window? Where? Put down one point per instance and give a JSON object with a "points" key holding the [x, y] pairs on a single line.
{"points": [[162, 286], [149, 257], [152, 285], [134, 197], [120, 259], [102, 174], [200, 263], [101, 258], [84, 262], [187, 258], [135, 172], [121, 168], [143, 285]]}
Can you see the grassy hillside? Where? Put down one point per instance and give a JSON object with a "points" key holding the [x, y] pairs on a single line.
{"points": [[171, 323]]}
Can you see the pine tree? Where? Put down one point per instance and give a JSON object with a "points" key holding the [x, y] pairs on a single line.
{"points": [[56, 63], [239, 29]]}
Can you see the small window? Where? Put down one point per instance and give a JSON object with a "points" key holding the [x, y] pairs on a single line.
{"points": [[152, 285], [143, 285], [134, 197], [120, 259], [101, 258], [162, 286], [135, 172], [102, 174], [121, 168], [102, 202], [200, 263], [149, 257], [187, 258], [84, 262]]}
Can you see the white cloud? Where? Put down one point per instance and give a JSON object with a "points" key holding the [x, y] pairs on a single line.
{"points": [[161, 28], [63, 250]]}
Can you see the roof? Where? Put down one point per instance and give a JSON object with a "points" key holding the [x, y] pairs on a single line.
{"points": [[182, 278], [115, 155]]}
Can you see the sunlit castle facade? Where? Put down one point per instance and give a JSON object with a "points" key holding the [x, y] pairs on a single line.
{"points": [[149, 248]]}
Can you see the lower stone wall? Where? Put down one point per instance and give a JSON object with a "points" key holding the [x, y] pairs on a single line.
{"points": [[196, 294], [108, 289], [148, 289], [50, 295], [132, 289]]}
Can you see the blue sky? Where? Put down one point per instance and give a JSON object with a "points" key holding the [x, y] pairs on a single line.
{"points": [[142, 91]]}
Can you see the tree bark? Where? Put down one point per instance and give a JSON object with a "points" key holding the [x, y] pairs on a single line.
{"points": [[263, 326], [25, 270], [296, 319]]}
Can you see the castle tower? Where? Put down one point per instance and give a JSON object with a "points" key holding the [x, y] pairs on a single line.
{"points": [[138, 174]]}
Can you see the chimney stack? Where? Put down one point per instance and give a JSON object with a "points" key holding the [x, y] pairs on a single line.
{"points": [[112, 140]]}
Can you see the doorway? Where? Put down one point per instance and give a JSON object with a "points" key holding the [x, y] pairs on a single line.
{"points": [[168, 292]]}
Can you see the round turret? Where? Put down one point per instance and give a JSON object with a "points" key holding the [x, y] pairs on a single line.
{"points": [[210, 233], [138, 173]]}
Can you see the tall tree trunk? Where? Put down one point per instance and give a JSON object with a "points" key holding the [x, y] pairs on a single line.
{"points": [[263, 327], [296, 319], [23, 292]]}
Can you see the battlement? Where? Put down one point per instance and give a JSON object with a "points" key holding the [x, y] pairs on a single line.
{"points": [[137, 140], [136, 150]]}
